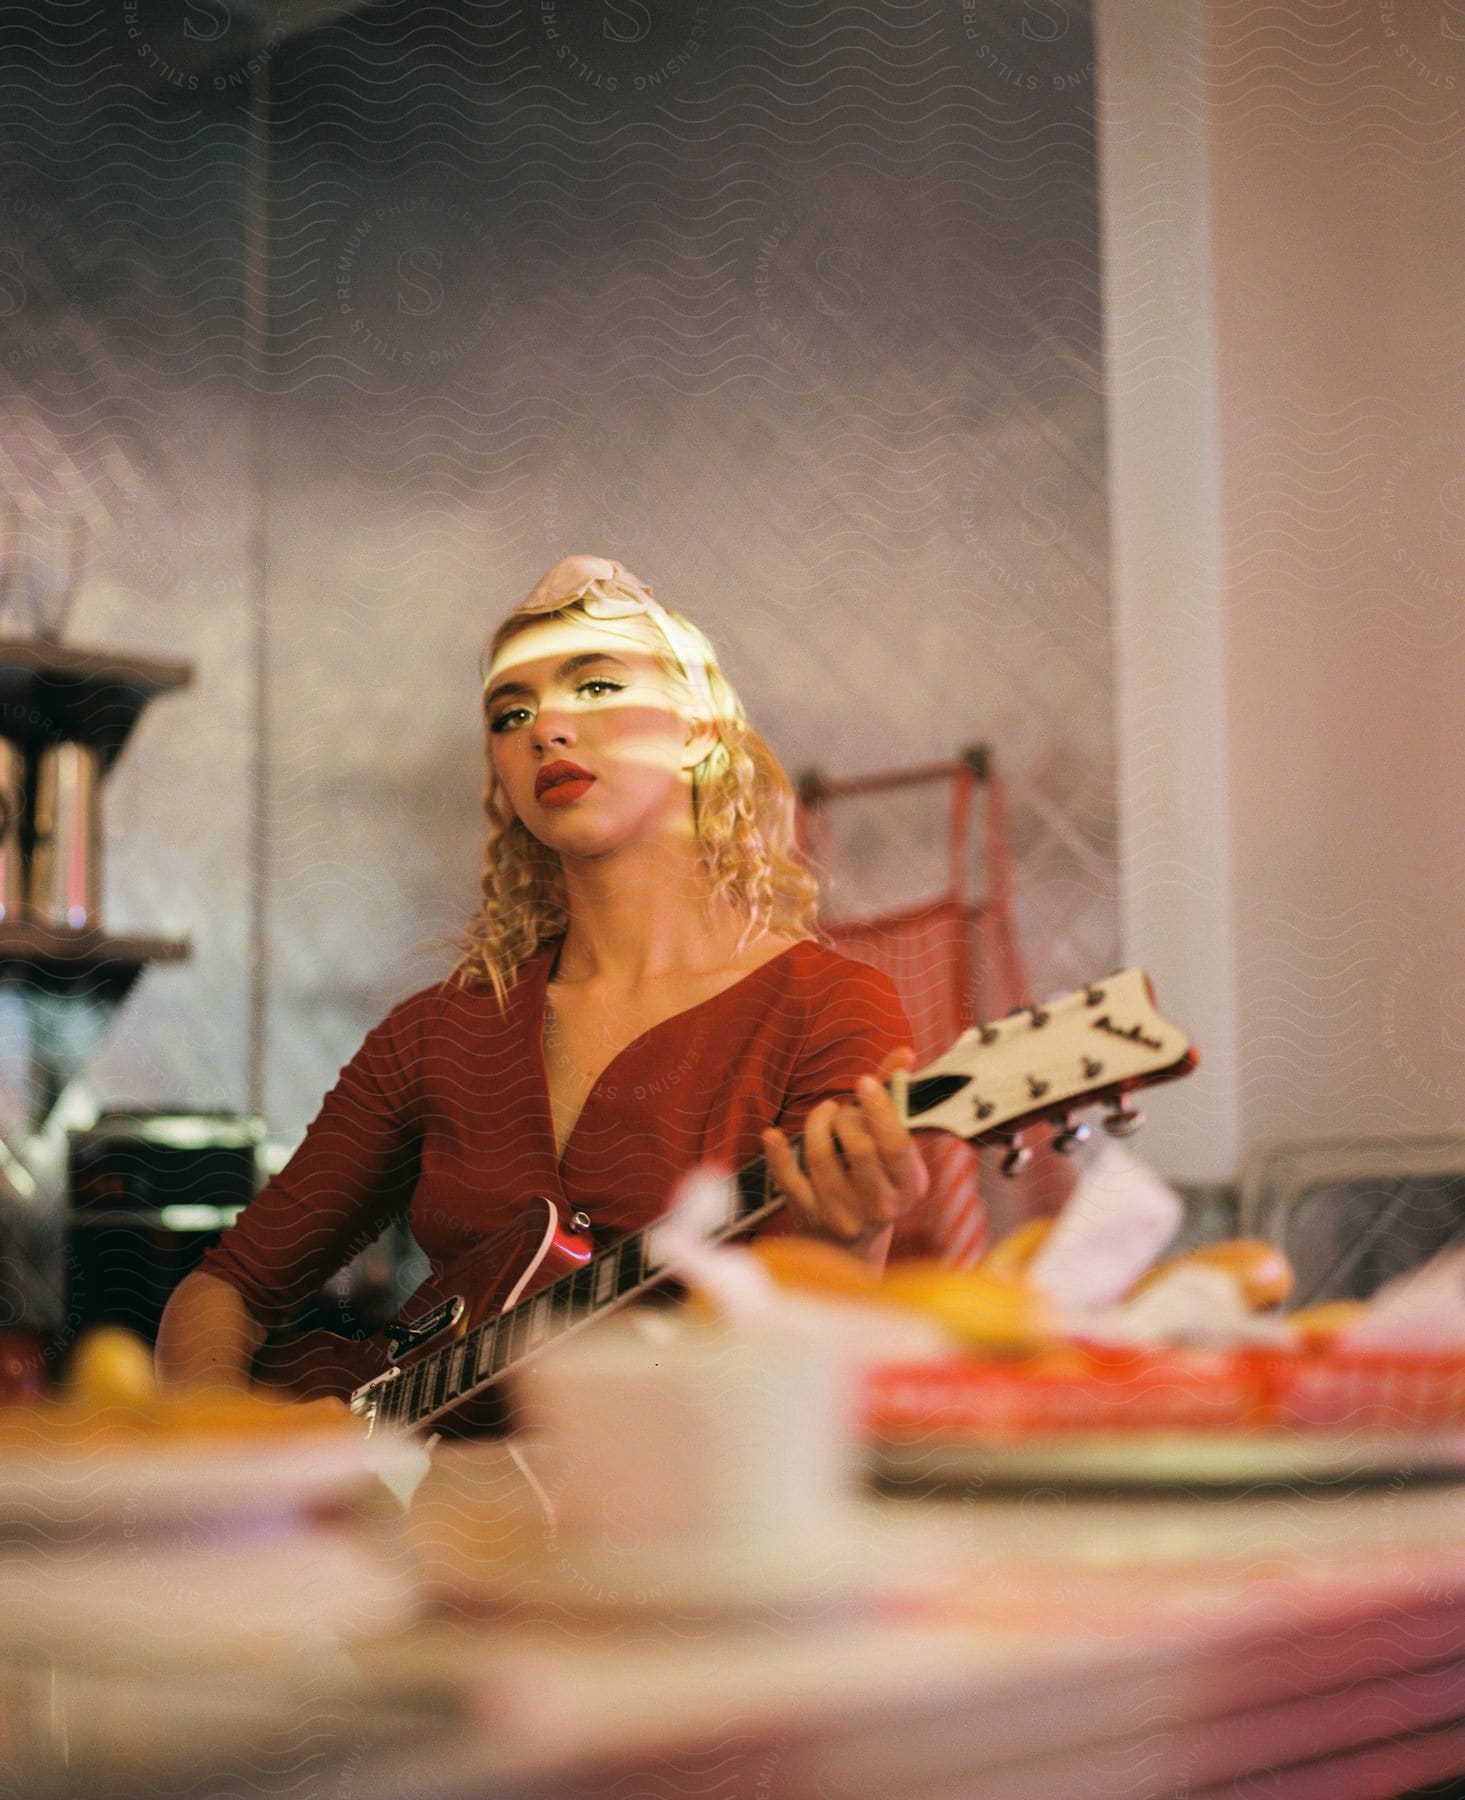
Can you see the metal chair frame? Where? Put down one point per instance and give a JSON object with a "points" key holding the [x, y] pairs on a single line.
{"points": [[1280, 1177]]}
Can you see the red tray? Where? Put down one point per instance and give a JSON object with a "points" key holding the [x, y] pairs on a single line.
{"points": [[1163, 1390]]}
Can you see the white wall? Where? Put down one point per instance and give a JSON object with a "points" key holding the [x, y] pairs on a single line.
{"points": [[1293, 432], [1166, 533]]}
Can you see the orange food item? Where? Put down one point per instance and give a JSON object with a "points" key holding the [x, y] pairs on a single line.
{"points": [[979, 1309], [209, 1413], [1009, 1256], [1327, 1319], [111, 1366], [1262, 1272], [813, 1267], [111, 1402], [76, 1426]]}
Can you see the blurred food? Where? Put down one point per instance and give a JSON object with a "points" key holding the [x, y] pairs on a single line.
{"points": [[81, 1423], [972, 1305], [1327, 1319], [111, 1366], [1009, 1256], [1260, 1269], [111, 1400], [208, 1413], [811, 1266], [1190, 1303]]}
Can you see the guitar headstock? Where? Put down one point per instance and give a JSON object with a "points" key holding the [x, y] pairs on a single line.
{"points": [[1095, 1044]]}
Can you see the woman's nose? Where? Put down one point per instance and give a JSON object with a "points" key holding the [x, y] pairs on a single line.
{"points": [[552, 728]]}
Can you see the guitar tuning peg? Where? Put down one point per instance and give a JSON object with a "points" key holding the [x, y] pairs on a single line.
{"points": [[1074, 1133], [1017, 1158], [1124, 1121]]}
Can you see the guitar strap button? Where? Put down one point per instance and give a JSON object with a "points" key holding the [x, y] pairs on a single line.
{"points": [[579, 1221]]}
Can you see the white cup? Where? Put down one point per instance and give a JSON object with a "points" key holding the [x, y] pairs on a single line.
{"points": [[716, 1435]]}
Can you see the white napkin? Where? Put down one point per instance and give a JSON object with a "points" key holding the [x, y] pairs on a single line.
{"points": [[1117, 1223]]}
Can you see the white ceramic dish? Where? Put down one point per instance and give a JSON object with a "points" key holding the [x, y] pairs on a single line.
{"points": [[110, 1488], [174, 1602]]}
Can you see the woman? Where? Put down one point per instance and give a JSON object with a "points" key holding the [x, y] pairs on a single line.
{"points": [[642, 992]]}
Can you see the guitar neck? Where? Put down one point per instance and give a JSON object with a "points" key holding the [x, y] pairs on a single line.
{"points": [[613, 1277]]}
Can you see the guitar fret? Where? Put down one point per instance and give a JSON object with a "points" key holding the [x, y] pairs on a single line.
{"points": [[440, 1382], [414, 1390], [503, 1342], [455, 1367], [538, 1319], [481, 1361], [605, 1278], [628, 1264], [579, 1287], [517, 1334]]}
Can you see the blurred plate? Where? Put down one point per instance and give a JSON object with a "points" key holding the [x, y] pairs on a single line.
{"points": [[872, 1553], [68, 1486], [192, 1598], [1177, 1459]]}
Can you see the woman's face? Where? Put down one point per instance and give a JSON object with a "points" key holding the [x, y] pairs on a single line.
{"points": [[589, 738]]}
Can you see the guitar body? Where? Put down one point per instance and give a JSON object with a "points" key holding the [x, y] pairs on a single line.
{"points": [[494, 1275]]}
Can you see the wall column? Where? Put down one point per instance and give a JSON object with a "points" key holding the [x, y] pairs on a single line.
{"points": [[1284, 201]]}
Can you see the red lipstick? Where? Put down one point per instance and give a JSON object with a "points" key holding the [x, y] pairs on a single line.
{"points": [[558, 783]]}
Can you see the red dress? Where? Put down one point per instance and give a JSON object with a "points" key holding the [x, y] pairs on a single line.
{"points": [[443, 1115]]}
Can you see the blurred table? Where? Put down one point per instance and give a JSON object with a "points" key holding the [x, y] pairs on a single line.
{"points": [[1288, 1644]]}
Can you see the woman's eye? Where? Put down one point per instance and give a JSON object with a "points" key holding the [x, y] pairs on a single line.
{"points": [[599, 685], [508, 719]]}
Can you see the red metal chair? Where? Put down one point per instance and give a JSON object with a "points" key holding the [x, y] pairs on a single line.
{"points": [[954, 960]]}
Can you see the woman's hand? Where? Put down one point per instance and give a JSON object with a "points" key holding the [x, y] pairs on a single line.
{"points": [[861, 1168]]}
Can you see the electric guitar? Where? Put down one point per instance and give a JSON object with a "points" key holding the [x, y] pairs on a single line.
{"points": [[522, 1290]]}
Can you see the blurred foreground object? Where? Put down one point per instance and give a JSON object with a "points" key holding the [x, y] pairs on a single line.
{"points": [[147, 1532], [722, 1434]]}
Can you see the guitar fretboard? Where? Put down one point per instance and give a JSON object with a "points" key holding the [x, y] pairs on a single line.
{"points": [[611, 1277]]}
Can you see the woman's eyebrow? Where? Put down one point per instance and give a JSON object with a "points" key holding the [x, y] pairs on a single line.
{"points": [[583, 661], [570, 666]]}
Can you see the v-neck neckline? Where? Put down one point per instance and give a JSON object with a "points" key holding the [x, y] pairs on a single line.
{"points": [[541, 1013]]}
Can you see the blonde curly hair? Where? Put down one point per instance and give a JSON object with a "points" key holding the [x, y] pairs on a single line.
{"points": [[742, 802]]}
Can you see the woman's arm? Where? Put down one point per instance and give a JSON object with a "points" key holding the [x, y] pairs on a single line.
{"points": [[208, 1336], [354, 1170], [860, 1168]]}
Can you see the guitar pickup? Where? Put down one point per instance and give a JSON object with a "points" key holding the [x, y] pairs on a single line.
{"points": [[407, 1335]]}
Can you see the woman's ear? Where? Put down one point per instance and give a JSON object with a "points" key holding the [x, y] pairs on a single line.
{"points": [[701, 738]]}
